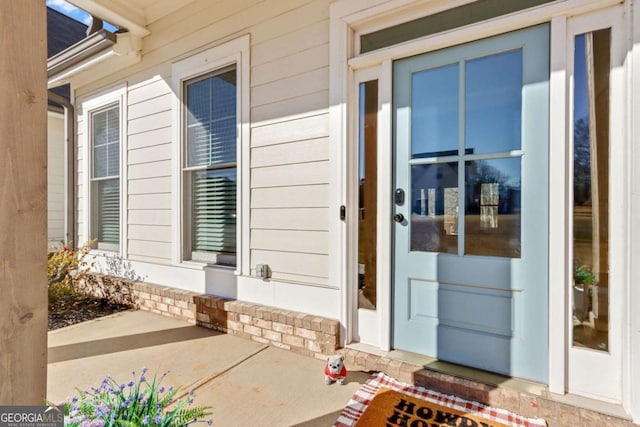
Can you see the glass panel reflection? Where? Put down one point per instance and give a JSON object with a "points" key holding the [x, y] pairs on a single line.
{"points": [[434, 207], [492, 207], [493, 103], [434, 112], [590, 290], [368, 200]]}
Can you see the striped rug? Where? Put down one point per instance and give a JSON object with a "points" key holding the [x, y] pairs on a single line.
{"points": [[383, 401]]}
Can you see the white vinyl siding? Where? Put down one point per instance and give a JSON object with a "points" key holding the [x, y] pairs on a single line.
{"points": [[289, 129], [289, 204], [105, 177], [149, 159], [55, 180]]}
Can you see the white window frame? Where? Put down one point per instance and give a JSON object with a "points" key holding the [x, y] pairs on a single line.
{"points": [[115, 96], [351, 19], [234, 52]]}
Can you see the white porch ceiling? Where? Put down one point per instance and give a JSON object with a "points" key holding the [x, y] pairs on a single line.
{"points": [[135, 15]]}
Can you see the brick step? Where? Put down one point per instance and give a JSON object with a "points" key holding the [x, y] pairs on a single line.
{"points": [[518, 396], [555, 413]]}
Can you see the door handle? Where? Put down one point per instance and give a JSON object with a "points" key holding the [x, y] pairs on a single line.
{"points": [[398, 217]]}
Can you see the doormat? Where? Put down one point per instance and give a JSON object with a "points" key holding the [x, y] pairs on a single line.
{"points": [[383, 401]]}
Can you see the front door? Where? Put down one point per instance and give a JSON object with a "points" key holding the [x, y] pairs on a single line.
{"points": [[471, 204]]}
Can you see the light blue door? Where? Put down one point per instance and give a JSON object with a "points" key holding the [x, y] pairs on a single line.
{"points": [[471, 204]]}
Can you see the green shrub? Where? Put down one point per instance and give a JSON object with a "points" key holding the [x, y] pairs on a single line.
{"points": [[65, 268]]}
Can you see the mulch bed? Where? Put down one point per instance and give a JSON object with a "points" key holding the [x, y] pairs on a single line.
{"points": [[72, 309]]}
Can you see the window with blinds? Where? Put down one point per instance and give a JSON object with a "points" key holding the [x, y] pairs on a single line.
{"points": [[105, 177], [210, 169]]}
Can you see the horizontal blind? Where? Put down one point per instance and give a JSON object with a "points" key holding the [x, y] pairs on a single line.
{"points": [[211, 148], [108, 194], [214, 211]]}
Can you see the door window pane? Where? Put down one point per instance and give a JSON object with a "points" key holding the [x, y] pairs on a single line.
{"points": [[492, 207], [368, 200], [493, 100], [434, 207], [590, 290], [434, 112], [457, 17]]}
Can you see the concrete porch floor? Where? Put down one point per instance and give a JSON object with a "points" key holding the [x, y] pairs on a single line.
{"points": [[247, 383]]}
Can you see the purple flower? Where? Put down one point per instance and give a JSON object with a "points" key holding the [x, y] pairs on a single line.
{"points": [[145, 420], [126, 403], [130, 384], [161, 390], [190, 392], [158, 419], [210, 422]]}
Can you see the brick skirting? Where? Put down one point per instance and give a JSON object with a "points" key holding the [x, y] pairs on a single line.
{"points": [[317, 337], [298, 332]]}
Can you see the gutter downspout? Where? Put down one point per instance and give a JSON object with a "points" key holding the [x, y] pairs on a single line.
{"points": [[69, 170]]}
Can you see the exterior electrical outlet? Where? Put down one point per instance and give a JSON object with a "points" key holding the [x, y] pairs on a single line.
{"points": [[262, 271]]}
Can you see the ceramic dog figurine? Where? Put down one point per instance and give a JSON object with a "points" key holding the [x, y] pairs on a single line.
{"points": [[335, 370]]}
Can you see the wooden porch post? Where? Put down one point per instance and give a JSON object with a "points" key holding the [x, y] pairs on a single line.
{"points": [[23, 202]]}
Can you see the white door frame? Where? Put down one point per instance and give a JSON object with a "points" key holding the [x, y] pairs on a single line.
{"points": [[350, 18], [605, 382], [371, 326]]}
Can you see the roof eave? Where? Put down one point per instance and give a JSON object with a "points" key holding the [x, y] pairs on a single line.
{"points": [[81, 51]]}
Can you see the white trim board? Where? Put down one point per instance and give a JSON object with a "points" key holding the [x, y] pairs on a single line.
{"points": [[113, 95]]}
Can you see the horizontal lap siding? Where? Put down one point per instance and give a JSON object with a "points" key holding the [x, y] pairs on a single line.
{"points": [[289, 93], [308, 196], [55, 178], [290, 147], [150, 118], [311, 219]]}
